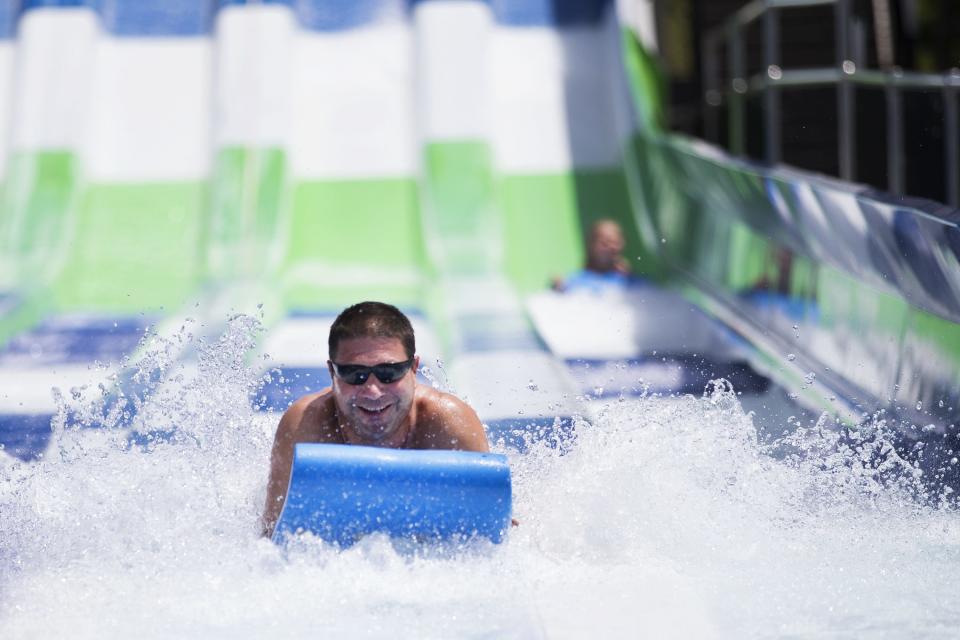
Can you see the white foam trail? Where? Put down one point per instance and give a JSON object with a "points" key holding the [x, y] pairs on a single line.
{"points": [[667, 519]]}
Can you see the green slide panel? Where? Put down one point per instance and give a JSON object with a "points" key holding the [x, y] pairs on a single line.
{"points": [[354, 239]]}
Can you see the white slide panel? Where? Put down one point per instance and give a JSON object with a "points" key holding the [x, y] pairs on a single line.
{"points": [[255, 46], [152, 116], [453, 41], [54, 70], [353, 104], [551, 100], [6, 91]]}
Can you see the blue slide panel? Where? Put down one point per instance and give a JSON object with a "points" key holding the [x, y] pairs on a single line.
{"points": [[548, 13], [9, 12], [25, 436], [519, 434], [54, 4], [141, 18], [334, 15], [66, 341], [283, 386], [665, 373], [343, 492], [144, 18]]}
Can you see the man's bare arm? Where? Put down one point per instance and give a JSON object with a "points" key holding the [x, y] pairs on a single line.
{"points": [[289, 432], [305, 421], [281, 461]]}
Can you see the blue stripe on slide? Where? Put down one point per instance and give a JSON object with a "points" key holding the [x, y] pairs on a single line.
{"points": [[39, 4], [156, 17], [25, 436], [334, 15], [9, 12], [284, 385], [142, 17], [520, 434], [548, 13], [676, 373], [195, 17], [65, 340]]}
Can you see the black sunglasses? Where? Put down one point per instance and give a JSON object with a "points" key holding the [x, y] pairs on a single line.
{"points": [[386, 372]]}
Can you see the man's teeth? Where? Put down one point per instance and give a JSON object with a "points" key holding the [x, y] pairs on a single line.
{"points": [[373, 410]]}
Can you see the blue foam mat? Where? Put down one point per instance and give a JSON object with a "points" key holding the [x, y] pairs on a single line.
{"points": [[343, 492]]}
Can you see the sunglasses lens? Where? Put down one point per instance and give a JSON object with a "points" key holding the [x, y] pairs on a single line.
{"points": [[357, 377], [387, 373], [358, 374], [352, 374]]}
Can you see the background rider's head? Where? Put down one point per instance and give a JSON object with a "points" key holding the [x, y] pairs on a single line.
{"points": [[373, 405], [605, 244]]}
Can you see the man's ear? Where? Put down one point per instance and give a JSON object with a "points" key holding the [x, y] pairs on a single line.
{"points": [[330, 369], [416, 364]]}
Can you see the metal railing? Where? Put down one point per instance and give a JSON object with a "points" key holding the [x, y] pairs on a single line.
{"points": [[845, 76]]}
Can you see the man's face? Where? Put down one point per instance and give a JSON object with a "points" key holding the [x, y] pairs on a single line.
{"points": [[373, 410], [606, 244]]}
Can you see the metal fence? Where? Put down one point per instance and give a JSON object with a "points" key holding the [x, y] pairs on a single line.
{"points": [[845, 76]]}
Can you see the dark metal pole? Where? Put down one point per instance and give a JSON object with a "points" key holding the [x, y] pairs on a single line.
{"points": [[711, 88], [895, 178], [845, 91], [771, 92], [738, 89], [951, 141]]}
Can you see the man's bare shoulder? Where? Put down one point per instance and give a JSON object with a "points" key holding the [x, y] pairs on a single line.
{"points": [[309, 418], [444, 421], [439, 402]]}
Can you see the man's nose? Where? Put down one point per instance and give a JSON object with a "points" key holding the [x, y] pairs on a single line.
{"points": [[372, 387]]}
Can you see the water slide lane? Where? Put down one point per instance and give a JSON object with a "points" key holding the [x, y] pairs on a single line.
{"points": [[101, 207], [114, 210], [327, 90]]}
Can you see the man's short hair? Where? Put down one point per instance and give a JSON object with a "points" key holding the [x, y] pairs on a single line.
{"points": [[371, 320]]}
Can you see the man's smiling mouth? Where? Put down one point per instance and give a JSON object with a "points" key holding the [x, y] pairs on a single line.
{"points": [[373, 411]]}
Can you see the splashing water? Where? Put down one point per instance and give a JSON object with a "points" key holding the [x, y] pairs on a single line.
{"points": [[669, 516]]}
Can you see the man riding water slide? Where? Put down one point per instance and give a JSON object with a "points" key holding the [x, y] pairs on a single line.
{"points": [[605, 267], [375, 400]]}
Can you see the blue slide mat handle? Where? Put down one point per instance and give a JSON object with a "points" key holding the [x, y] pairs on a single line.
{"points": [[343, 492]]}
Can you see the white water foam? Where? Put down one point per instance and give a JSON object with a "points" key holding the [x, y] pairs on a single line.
{"points": [[668, 518]]}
